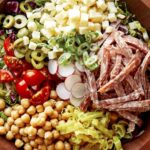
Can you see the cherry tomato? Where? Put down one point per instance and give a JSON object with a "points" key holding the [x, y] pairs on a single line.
{"points": [[5, 76], [8, 46], [23, 90], [41, 96], [33, 77], [46, 73]]}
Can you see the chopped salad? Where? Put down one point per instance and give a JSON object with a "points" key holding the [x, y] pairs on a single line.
{"points": [[74, 74]]}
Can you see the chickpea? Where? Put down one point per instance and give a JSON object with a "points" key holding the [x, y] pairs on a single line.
{"points": [[9, 135], [32, 137], [47, 126], [25, 118], [15, 107], [26, 130], [53, 94], [67, 146], [54, 115], [65, 116], [2, 130], [70, 108], [27, 146], [19, 143], [10, 121], [33, 144], [42, 115], [48, 142], [40, 121], [31, 110], [19, 123], [39, 141], [14, 114], [32, 131], [39, 108], [49, 103], [21, 132], [2, 104], [25, 103], [7, 127], [48, 110], [59, 145], [56, 134], [8, 111], [48, 135], [1, 122], [33, 122], [41, 133], [54, 123], [25, 139], [14, 129], [42, 147], [21, 109], [51, 147], [59, 106]]}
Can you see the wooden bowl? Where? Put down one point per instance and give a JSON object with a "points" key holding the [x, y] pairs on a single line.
{"points": [[142, 10]]}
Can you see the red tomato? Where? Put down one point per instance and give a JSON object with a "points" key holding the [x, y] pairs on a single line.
{"points": [[46, 73], [33, 77], [8, 46], [5, 76], [41, 96], [23, 90], [13, 63]]}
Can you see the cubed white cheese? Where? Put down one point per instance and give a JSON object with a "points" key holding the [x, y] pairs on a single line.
{"points": [[59, 8], [99, 36], [96, 17], [97, 27], [112, 17], [60, 17], [105, 24], [89, 2], [57, 49], [49, 6], [26, 40], [133, 25], [45, 33], [121, 16], [32, 26], [37, 15], [83, 30], [111, 7], [29, 15], [44, 17], [68, 29], [36, 35], [74, 15], [66, 6], [109, 29], [32, 46], [84, 19], [50, 25], [101, 4], [91, 26], [145, 36], [52, 55], [84, 9]]}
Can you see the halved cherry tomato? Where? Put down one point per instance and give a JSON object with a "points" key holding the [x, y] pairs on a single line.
{"points": [[41, 96], [23, 90], [46, 73], [33, 77], [5, 76], [8, 46]]}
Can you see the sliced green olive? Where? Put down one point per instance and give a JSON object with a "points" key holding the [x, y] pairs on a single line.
{"points": [[22, 49], [37, 65], [25, 7], [28, 56], [22, 32], [18, 42], [8, 22], [18, 55], [20, 21], [38, 55], [2, 17]]}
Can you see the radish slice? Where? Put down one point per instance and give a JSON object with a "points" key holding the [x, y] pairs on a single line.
{"points": [[78, 90], [76, 101], [79, 66], [71, 80], [60, 77], [62, 92], [52, 66], [66, 70]]}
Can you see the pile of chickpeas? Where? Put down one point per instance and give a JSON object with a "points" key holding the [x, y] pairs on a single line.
{"points": [[34, 127]]}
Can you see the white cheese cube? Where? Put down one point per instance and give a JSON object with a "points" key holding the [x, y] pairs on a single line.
{"points": [[32, 26], [57, 49], [45, 33], [145, 36], [84, 19], [44, 17], [91, 26], [112, 17], [89, 2], [36, 35], [97, 27], [133, 25], [101, 4], [37, 15], [32, 46], [121, 16], [66, 6], [111, 7], [96, 17], [99, 36], [83, 30], [109, 29], [26, 40], [74, 15], [52, 55], [105, 24], [29, 15], [68, 29], [49, 6], [60, 17], [50, 25], [59, 8], [84, 9]]}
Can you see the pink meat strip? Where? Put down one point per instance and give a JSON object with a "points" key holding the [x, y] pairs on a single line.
{"points": [[107, 104], [119, 90], [133, 64], [131, 117], [127, 87], [131, 127], [136, 43]]}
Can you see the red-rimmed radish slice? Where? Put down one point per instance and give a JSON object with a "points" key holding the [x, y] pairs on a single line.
{"points": [[52, 66], [66, 70], [76, 101], [62, 92], [60, 77], [79, 66], [78, 90], [71, 80]]}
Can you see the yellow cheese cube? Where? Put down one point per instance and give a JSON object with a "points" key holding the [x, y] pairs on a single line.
{"points": [[84, 9], [91, 26], [109, 29], [101, 4], [74, 15], [96, 17], [59, 8], [97, 27], [112, 17], [89, 2], [83, 30], [105, 24], [111, 7], [84, 19]]}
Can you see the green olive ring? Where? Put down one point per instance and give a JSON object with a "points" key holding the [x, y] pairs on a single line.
{"points": [[18, 43], [25, 7], [37, 65], [18, 54], [38, 55], [2, 17], [22, 49], [28, 56], [20, 21], [8, 22], [22, 32]]}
